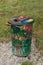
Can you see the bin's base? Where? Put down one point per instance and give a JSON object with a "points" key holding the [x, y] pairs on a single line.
{"points": [[22, 52]]}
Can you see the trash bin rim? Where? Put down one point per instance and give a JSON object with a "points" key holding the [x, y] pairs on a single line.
{"points": [[21, 22]]}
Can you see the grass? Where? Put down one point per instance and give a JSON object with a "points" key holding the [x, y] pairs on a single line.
{"points": [[27, 63], [10, 8]]}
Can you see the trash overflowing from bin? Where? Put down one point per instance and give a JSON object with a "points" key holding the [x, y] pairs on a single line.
{"points": [[21, 33]]}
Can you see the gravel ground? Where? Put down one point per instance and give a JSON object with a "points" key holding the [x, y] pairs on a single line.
{"points": [[7, 58]]}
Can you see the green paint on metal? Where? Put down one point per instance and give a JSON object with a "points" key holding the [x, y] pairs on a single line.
{"points": [[21, 40]]}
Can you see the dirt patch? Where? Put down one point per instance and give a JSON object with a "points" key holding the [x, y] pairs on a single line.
{"points": [[2, 14]]}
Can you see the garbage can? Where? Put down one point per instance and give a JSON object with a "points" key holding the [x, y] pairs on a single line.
{"points": [[21, 32]]}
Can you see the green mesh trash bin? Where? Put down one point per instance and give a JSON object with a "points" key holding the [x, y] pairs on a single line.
{"points": [[21, 32]]}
